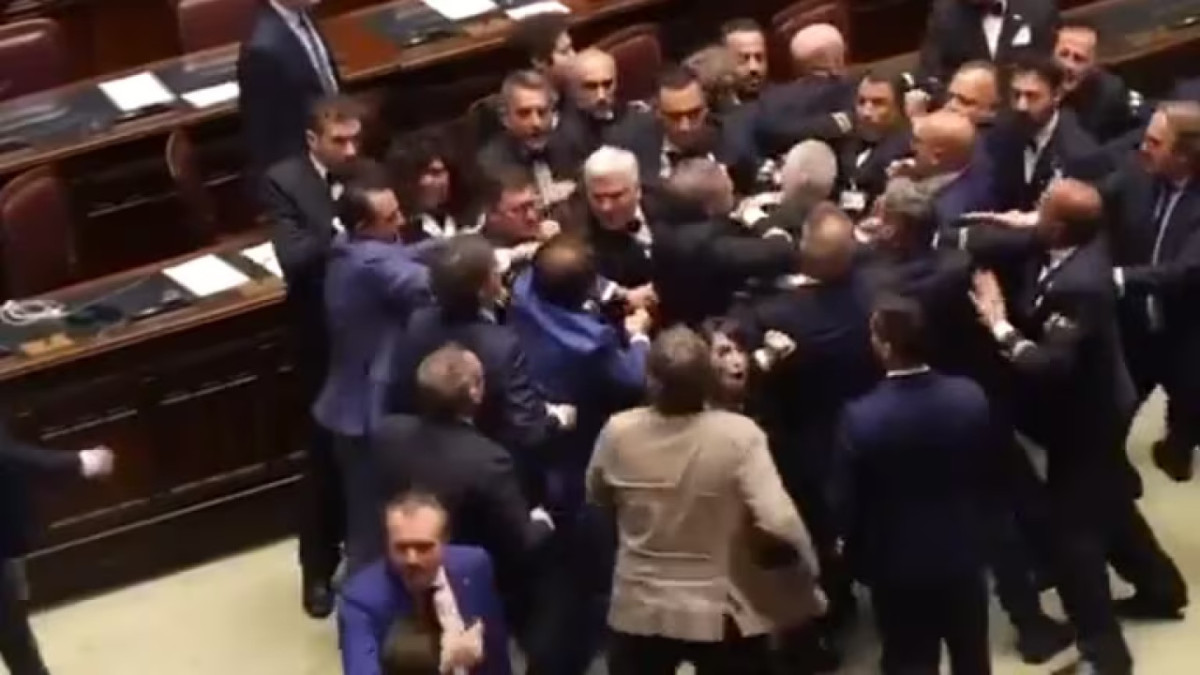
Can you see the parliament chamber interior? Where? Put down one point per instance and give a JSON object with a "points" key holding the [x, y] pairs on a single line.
{"points": [[146, 310]]}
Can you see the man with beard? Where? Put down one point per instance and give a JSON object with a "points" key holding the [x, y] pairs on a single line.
{"points": [[298, 198], [1041, 141], [592, 110], [530, 140], [879, 137], [745, 38]]}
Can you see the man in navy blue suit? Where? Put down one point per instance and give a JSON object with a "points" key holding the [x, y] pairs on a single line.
{"points": [[283, 68], [946, 162], [372, 285], [912, 503], [446, 591]]}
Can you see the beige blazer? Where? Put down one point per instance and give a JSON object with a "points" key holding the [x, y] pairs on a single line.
{"points": [[695, 496]]}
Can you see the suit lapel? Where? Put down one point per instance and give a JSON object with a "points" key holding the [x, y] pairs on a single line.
{"points": [[318, 203], [463, 587], [970, 23], [1179, 224]]}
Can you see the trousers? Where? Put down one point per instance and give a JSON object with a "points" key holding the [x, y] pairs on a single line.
{"points": [[18, 646]]}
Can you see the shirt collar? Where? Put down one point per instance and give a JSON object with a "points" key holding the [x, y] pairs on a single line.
{"points": [[1042, 138], [907, 372], [290, 16], [322, 171]]}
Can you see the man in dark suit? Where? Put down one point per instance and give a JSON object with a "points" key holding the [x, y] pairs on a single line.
{"points": [[592, 110], [372, 285], [298, 197], [823, 313], [912, 500], [1075, 399], [19, 464], [986, 30], [467, 285], [531, 140], [748, 42], [817, 104], [901, 262], [1104, 106], [439, 451], [1156, 213], [974, 92], [284, 67], [447, 592], [879, 137], [683, 128], [1040, 141]]}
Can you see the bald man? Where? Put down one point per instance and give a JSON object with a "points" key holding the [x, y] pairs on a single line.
{"points": [[946, 163], [985, 30], [822, 311], [592, 109], [818, 104], [974, 92], [1074, 399]]}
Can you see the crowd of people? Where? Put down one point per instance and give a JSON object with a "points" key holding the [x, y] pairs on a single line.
{"points": [[694, 379]]}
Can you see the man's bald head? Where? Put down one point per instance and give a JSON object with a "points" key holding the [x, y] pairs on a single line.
{"points": [[943, 142], [819, 49], [827, 243], [1070, 212], [593, 82], [974, 91]]}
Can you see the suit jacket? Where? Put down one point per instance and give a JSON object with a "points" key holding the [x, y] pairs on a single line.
{"points": [[371, 288], [582, 133], [969, 191], [1073, 392], [1159, 294], [472, 477], [911, 480], [620, 257], [513, 412], [691, 495], [372, 600], [278, 85], [802, 110], [1187, 90], [576, 357], [642, 135], [863, 166], [1103, 106], [504, 152], [300, 209], [19, 463], [954, 34], [1070, 153], [833, 363]]}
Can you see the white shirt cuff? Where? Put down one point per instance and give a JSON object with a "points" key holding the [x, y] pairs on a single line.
{"points": [[609, 292], [764, 359], [91, 463], [1003, 331], [1119, 279], [639, 337]]}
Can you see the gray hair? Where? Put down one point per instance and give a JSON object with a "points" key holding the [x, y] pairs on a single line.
{"points": [[908, 199], [526, 79], [611, 161], [809, 170]]}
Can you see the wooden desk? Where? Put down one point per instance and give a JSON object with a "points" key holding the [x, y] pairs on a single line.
{"points": [[196, 403], [362, 53]]}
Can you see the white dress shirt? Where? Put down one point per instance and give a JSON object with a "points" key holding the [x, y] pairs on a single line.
{"points": [[992, 25], [1040, 141], [445, 606]]}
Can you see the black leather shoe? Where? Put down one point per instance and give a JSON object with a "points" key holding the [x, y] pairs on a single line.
{"points": [[1173, 460], [318, 600], [1142, 607], [1040, 640]]}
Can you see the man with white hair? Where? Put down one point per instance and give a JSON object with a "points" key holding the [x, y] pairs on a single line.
{"points": [[818, 103], [806, 178]]}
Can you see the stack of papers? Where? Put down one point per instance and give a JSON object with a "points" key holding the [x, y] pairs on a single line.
{"points": [[547, 7], [137, 91], [458, 10], [206, 275], [264, 256], [214, 95]]}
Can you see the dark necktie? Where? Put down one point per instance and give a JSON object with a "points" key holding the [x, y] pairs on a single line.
{"points": [[994, 9]]}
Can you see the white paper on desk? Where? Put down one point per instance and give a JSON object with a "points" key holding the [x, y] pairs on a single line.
{"points": [[457, 10], [206, 275], [210, 96], [264, 256], [137, 91], [547, 7]]}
